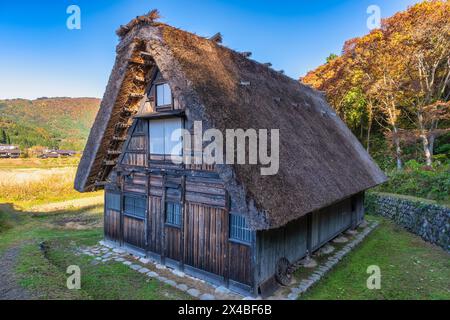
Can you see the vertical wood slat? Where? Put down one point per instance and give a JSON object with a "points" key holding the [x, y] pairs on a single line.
{"points": [[162, 218], [205, 241]]}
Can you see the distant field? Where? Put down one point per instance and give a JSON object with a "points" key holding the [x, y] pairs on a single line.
{"points": [[23, 163], [34, 182]]}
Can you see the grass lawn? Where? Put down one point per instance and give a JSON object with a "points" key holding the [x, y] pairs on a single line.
{"points": [[43, 272], [410, 268]]}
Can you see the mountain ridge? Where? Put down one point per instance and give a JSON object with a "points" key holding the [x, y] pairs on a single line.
{"points": [[59, 122]]}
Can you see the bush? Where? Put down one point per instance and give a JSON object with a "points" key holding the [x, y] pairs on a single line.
{"points": [[420, 181]]}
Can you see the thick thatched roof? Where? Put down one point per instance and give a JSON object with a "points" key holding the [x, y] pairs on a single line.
{"points": [[321, 162]]}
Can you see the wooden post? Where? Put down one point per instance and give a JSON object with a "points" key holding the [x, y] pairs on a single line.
{"points": [[121, 237], [183, 219], [309, 233], [163, 220], [226, 257], [254, 260]]}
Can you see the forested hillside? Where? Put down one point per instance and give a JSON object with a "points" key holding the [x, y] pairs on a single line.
{"points": [[52, 122], [392, 86]]}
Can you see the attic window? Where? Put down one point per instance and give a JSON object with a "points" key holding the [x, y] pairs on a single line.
{"points": [[163, 95], [165, 136]]}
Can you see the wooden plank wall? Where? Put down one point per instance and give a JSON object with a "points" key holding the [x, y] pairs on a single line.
{"points": [[112, 224], [272, 245], [137, 183], [240, 265], [133, 231], [206, 237], [136, 148], [154, 224], [173, 243], [329, 222]]}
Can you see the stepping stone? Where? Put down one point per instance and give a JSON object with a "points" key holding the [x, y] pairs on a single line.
{"points": [[179, 273], [170, 283], [144, 260], [363, 224], [152, 274], [326, 249], [292, 296], [127, 263], [160, 266], [135, 267], [144, 270], [119, 251], [182, 287], [119, 259], [207, 296], [351, 232], [222, 290], [162, 279], [309, 263], [340, 239], [193, 292]]}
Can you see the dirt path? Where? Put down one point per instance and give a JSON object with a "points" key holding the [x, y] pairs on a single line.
{"points": [[9, 287]]}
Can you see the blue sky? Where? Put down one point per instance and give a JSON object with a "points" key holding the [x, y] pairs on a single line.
{"points": [[40, 56]]}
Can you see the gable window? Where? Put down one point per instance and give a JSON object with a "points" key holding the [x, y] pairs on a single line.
{"points": [[134, 206], [173, 213], [163, 95], [239, 230], [164, 137]]}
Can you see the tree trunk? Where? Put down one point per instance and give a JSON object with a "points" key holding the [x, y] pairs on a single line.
{"points": [[425, 141], [398, 149], [426, 149], [369, 126]]}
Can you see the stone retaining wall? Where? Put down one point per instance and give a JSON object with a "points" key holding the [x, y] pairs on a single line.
{"points": [[428, 220]]}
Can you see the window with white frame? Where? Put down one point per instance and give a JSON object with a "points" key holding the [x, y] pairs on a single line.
{"points": [[163, 95], [239, 229], [165, 136]]}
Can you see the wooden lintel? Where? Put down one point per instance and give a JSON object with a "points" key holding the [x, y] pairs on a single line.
{"points": [[146, 54], [128, 110], [123, 125], [136, 95], [114, 152], [116, 138], [139, 79], [139, 62]]}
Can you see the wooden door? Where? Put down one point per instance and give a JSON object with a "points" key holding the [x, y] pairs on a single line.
{"points": [[206, 236]]}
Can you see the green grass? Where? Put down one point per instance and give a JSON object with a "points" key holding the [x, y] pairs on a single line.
{"points": [[410, 269], [44, 273]]}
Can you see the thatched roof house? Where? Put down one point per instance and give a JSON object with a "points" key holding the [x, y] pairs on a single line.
{"points": [[321, 162]]}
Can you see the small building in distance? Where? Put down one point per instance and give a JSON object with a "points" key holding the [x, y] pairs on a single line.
{"points": [[9, 151], [53, 153]]}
